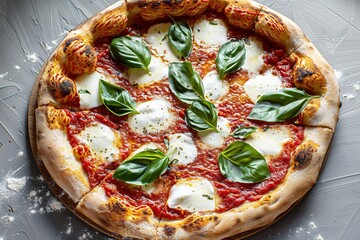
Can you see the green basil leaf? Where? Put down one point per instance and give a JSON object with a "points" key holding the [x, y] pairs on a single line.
{"points": [[131, 51], [240, 162], [144, 167], [230, 58], [116, 99], [243, 132], [180, 38], [201, 116], [185, 83], [280, 105]]}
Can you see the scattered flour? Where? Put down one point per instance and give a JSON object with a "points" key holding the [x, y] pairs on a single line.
{"points": [[349, 96], [4, 74], [7, 220], [15, 184], [356, 86], [32, 57], [17, 67], [20, 153]]}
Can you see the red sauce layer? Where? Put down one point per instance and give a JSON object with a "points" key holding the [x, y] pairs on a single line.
{"points": [[235, 106]]}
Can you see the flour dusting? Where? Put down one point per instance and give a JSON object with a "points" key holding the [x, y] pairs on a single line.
{"points": [[15, 184]]}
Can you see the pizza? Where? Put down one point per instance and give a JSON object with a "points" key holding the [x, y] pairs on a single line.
{"points": [[199, 119]]}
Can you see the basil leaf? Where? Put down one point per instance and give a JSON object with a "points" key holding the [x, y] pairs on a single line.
{"points": [[131, 51], [180, 38], [144, 167], [240, 162], [230, 58], [185, 83], [116, 99], [201, 116], [243, 132], [280, 105]]}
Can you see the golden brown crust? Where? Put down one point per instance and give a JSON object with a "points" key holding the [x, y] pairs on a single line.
{"points": [[243, 13], [279, 29], [157, 9], [316, 76], [75, 55], [117, 216], [54, 150], [305, 167]]}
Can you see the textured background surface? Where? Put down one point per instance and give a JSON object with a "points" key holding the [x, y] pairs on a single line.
{"points": [[31, 29]]}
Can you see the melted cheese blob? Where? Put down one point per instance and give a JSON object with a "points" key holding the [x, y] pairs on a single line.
{"points": [[211, 33], [102, 141], [186, 150], [270, 142], [158, 71], [216, 139], [253, 56], [87, 86], [262, 84], [214, 87], [157, 38], [154, 117], [196, 194]]}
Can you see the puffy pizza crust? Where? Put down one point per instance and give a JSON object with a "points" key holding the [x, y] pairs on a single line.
{"points": [[117, 216], [313, 74], [75, 55], [55, 152], [306, 163]]}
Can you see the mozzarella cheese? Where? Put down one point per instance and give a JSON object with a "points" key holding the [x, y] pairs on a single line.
{"points": [[158, 71], [253, 56], [186, 150], [214, 88], [102, 141], [196, 194], [271, 141], [87, 86], [158, 39], [216, 139], [154, 117], [262, 84], [211, 33]]}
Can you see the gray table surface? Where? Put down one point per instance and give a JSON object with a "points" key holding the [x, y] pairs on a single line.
{"points": [[31, 29]]}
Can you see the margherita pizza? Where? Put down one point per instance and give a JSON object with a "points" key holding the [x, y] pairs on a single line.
{"points": [[198, 119]]}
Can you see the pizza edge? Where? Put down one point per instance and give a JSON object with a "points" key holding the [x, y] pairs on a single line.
{"points": [[301, 177], [45, 96]]}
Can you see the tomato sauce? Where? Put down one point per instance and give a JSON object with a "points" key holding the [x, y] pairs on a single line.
{"points": [[235, 107]]}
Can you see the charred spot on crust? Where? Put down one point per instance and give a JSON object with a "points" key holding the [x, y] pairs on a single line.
{"points": [[303, 73], [304, 156], [66, 87], [88, 51], [117, 207], [169, 231], [68, 42]]}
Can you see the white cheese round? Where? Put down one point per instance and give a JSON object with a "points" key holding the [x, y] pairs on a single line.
{"points": [[270, 142], [186, 150], [214, 87], [216, 139], [102, 141], [154, 117], [158, 39], [158, 71], [87, 86], [193, 194], [253, 56], [211, 33], [262, 84]]}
